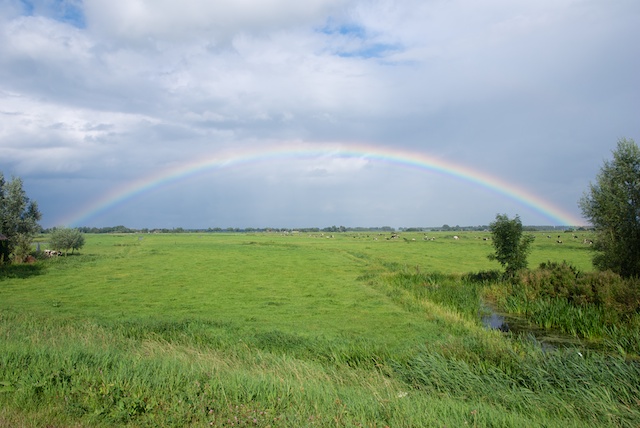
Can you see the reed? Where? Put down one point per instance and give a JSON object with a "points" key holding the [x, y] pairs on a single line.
{"points": [[577, 321], [450, 290], [553, 384]]}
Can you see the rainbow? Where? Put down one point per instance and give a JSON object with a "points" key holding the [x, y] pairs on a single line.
{"points": [[303, 150]]}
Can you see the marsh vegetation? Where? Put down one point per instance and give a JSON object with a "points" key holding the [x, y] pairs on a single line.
{"points": [[304, 330]]}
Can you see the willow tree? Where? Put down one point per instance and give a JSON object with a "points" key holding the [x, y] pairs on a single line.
{"points": [[612, 205], [19, 218], [65, 239], [511, 246]]}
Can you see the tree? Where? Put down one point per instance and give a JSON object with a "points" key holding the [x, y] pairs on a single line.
{"points": [[612, 205], [65, 239], [19, 217], [511, 246]]}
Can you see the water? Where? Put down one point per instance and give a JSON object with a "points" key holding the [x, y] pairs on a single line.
{"points": [[548, 339], [495, 321]]}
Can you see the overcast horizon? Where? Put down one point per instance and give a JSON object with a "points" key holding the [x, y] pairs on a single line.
{"points": [[282, 114]]}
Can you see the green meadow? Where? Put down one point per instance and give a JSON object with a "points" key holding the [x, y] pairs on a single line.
{"points": [[268, 329]]}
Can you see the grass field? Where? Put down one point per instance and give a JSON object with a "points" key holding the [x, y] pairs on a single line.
{"points": [[287, 330]]}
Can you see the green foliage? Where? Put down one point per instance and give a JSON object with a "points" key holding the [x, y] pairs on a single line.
{"points": [[617, 295], [19, 218], [600, 306], [551, 279], [612, 205], [22, 248], [511, 246], [483, 277], [65, 239]]}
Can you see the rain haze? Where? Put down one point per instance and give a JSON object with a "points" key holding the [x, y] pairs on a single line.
{"points": [[279, 113]]}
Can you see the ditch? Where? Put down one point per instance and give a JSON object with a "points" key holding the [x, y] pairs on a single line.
{"points": [[494, 319]]}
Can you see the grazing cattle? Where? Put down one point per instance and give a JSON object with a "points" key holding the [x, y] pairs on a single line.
{"points": [[559, 241], [456, 237], [587, 242]]}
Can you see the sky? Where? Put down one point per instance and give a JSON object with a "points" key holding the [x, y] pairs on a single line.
{"points": [[281, 113]]}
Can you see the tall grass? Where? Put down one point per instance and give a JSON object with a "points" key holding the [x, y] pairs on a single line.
{"points": [[626, 338], [449, 291], [590, 388], [92, 375], [102, 376], [586, 321]]}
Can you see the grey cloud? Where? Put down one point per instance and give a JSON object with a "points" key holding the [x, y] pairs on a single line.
{"points": [[110, 92], [193, 19]]}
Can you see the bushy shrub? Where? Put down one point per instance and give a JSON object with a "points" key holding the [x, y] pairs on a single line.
{"points": [[483, 277], [22, 249], [618, 295], [550, 280], [618, 298]]}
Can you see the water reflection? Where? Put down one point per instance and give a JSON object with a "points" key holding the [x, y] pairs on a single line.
{"points": [[547, 339], [496, 322]]}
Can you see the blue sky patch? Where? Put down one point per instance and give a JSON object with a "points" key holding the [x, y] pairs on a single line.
{"points": [[27, 7], [365, 44], [70, 12], [348, 29], [374, 50]]}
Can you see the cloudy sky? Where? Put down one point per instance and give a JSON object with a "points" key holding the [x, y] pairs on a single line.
{"points": [[282, 113]]}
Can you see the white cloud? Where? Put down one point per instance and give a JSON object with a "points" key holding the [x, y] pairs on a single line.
{"points": [[44, 138], [110, 91], [218, 22]]}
